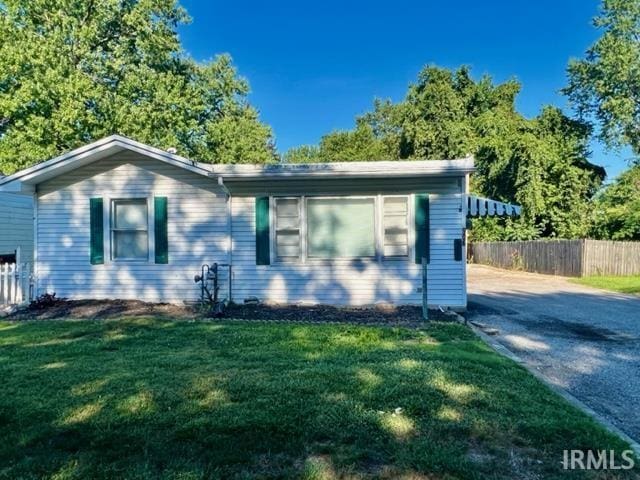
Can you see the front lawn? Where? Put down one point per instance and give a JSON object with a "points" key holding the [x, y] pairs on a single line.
{"points": [[149, 398], [630, 284]]}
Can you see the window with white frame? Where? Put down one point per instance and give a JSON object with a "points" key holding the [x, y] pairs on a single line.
{"points": [[130, 229], [395, 221], [317, 228], [288, 229]]}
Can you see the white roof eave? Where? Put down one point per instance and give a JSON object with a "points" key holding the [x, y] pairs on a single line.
{"points": [[26, 179], [395, 169], [90, 153]]}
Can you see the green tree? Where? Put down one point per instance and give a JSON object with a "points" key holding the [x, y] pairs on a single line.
{"points": [[72, 71], [302, 154], [359, 144], [539, 163], [605, 86], [617, 208]]}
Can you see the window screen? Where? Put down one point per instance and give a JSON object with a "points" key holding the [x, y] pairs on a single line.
{"points": [[287, 228], [129, 227], [340, 227], [396, 227]]}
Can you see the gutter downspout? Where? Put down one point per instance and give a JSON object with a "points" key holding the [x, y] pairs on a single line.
{"points": [[465, 235], [34, 268], [229, 245]]}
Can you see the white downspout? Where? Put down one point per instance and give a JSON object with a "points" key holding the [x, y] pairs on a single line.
{"points": [[229, 242], [34, 271], [465, 206]]}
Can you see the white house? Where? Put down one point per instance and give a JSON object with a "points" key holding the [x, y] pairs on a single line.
{"points": [[120, 219], [16, 228]]}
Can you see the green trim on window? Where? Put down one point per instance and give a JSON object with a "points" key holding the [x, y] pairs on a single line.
{"points": [[262, 231], [161, 234], [96, 228], [422, 227]]}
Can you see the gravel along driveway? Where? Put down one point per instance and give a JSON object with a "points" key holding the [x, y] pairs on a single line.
{"points": [[582, 339]]}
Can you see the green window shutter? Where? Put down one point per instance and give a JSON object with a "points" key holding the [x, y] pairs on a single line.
{"points": [[422, 227], [262, 231], [161, 229], [96, 226], [457, 249]]}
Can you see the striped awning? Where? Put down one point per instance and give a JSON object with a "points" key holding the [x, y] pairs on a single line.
{"points": [[485, 207]]}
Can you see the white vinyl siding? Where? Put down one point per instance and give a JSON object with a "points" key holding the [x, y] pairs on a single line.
{"points": [[357, 281], [197, 231], [16, 225]]}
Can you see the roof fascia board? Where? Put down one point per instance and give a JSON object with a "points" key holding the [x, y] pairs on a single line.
{"points": [[347, 170], [59, 165], [246, 176], [62, 163], [78, 152], [161, 155], [338, 175], [95, 148]]}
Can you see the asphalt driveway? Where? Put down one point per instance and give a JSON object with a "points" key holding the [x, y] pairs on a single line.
{"points": [[582, 339]]}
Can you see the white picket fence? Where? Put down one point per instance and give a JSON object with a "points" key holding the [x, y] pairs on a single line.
{"points": [[16, 283]]}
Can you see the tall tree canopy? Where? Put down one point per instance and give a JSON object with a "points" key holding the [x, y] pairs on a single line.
{"points": [[72, 71], [617, 208], [539, 163], [605, 85]]}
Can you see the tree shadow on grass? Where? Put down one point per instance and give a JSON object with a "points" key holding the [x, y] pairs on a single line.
{"points": [[150, 398]]}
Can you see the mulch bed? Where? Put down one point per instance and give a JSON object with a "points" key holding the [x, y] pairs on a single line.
{"points": [[104, 309], [401, 315]]}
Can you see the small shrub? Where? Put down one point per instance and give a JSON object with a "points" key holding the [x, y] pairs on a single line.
{"points": [[46, 300]]}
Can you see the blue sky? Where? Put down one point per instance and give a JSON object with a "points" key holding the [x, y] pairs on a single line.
{"points": [[314, 66]]}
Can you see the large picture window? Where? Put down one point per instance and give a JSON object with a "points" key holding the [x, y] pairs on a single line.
{"points": [[340, 227], [129, 229], [322, 228]]}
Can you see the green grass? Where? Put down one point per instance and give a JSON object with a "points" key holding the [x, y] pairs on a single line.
{"points": [[630, 284], [149, 398]]}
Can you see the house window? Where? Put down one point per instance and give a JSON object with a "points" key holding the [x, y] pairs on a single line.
{"points": [[396, 227], [130, 229], [340, 227], [7, 258], [288, 229]]}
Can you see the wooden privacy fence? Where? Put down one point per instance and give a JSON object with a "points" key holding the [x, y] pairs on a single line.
{"points": [[571, 258], [15, 283], [610, 258]]}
